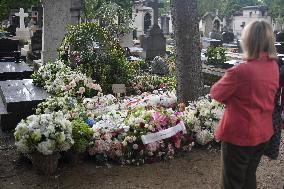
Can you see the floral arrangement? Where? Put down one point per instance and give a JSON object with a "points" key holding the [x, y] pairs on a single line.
{"points": [[48, 72], [158, 98], [106, 144], [203, 116], [45, 133], [59, 79], [143, 82], [79, 85], [55, 104], [143, 122]]}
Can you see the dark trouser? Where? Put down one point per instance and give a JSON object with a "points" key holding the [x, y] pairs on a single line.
{"points": [[239, 164]]}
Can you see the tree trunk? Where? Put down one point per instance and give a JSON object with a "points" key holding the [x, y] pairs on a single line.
{"points": [[188, 52]]}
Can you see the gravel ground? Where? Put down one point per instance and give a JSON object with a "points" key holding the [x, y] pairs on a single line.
{"points": [[198, 169]]}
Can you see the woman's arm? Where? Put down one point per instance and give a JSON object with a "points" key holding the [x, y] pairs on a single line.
{"points": [[225, 87]]}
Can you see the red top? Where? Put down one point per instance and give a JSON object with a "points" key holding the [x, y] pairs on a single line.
{"points": [[248, 91]]}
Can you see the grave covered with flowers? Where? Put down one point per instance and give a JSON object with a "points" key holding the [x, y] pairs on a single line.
{"points": [[131, 130]]}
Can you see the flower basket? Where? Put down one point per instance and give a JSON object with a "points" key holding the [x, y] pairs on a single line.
{"points": [[46, 164], [73, 157]]}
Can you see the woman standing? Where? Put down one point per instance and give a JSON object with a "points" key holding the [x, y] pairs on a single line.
{"points": [[248, 91]]}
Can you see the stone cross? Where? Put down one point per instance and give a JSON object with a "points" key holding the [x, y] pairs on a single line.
{"points": [[155, 5], [22, 16]]}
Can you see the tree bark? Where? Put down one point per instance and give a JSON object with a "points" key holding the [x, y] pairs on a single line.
{"points": [[188, 51]]}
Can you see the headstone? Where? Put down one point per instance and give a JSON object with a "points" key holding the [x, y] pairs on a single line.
{"points": [[158, 66], [36, 44], [9, 48], [280, 36], [154, 44], [14, 20], [22, 32], [19, 98], [75, 11], [37, 12], [215, 35], [228, 37], [215, 43], [22, 16]]}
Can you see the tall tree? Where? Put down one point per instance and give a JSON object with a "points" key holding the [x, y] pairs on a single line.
{"points": [[188, 60], [114, 15], [276, 9]]}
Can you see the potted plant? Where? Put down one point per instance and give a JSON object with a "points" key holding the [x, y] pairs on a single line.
{"points": [[82, 135], [42, 137]]}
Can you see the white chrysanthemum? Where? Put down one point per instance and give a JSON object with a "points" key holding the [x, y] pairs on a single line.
{"points": [[204, 137], [46, 147]]}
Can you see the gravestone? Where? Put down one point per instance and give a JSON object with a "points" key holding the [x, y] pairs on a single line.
{"points": [[280, 36], [216, 35], [228, 37], [14, 20], [22, 32], [154, 43], [215, 43], [159, 66], [37, 12], [36, 44], [9, 49], [19, 98]]}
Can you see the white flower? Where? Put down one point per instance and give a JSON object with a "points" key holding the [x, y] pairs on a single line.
{"points": [[46, 147], [204, 137]]}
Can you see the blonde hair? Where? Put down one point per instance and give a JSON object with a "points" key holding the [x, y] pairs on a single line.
{"points": [[258, 37]]}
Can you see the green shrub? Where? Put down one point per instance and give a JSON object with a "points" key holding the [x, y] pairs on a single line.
{"points": [[215, 55]]}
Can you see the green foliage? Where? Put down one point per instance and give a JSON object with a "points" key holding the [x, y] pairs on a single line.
{"points": [[82, 135], [113, 15], [225, 7], [276, 9], [166, 7], [215, 55], [95, 52]]}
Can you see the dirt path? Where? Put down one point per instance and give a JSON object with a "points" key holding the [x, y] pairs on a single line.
{"points": [[199, 169]]}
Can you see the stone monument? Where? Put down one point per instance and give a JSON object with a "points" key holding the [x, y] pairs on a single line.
{"points": [[154, 43], [22, 32]]}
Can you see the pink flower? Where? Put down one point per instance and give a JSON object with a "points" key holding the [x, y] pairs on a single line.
{"points": [[152, 147], [160, 120], [81, 90], [97, 87]]}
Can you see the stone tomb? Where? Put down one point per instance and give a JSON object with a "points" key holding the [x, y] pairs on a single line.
{"points": [[13, 71], [19, 98]]}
